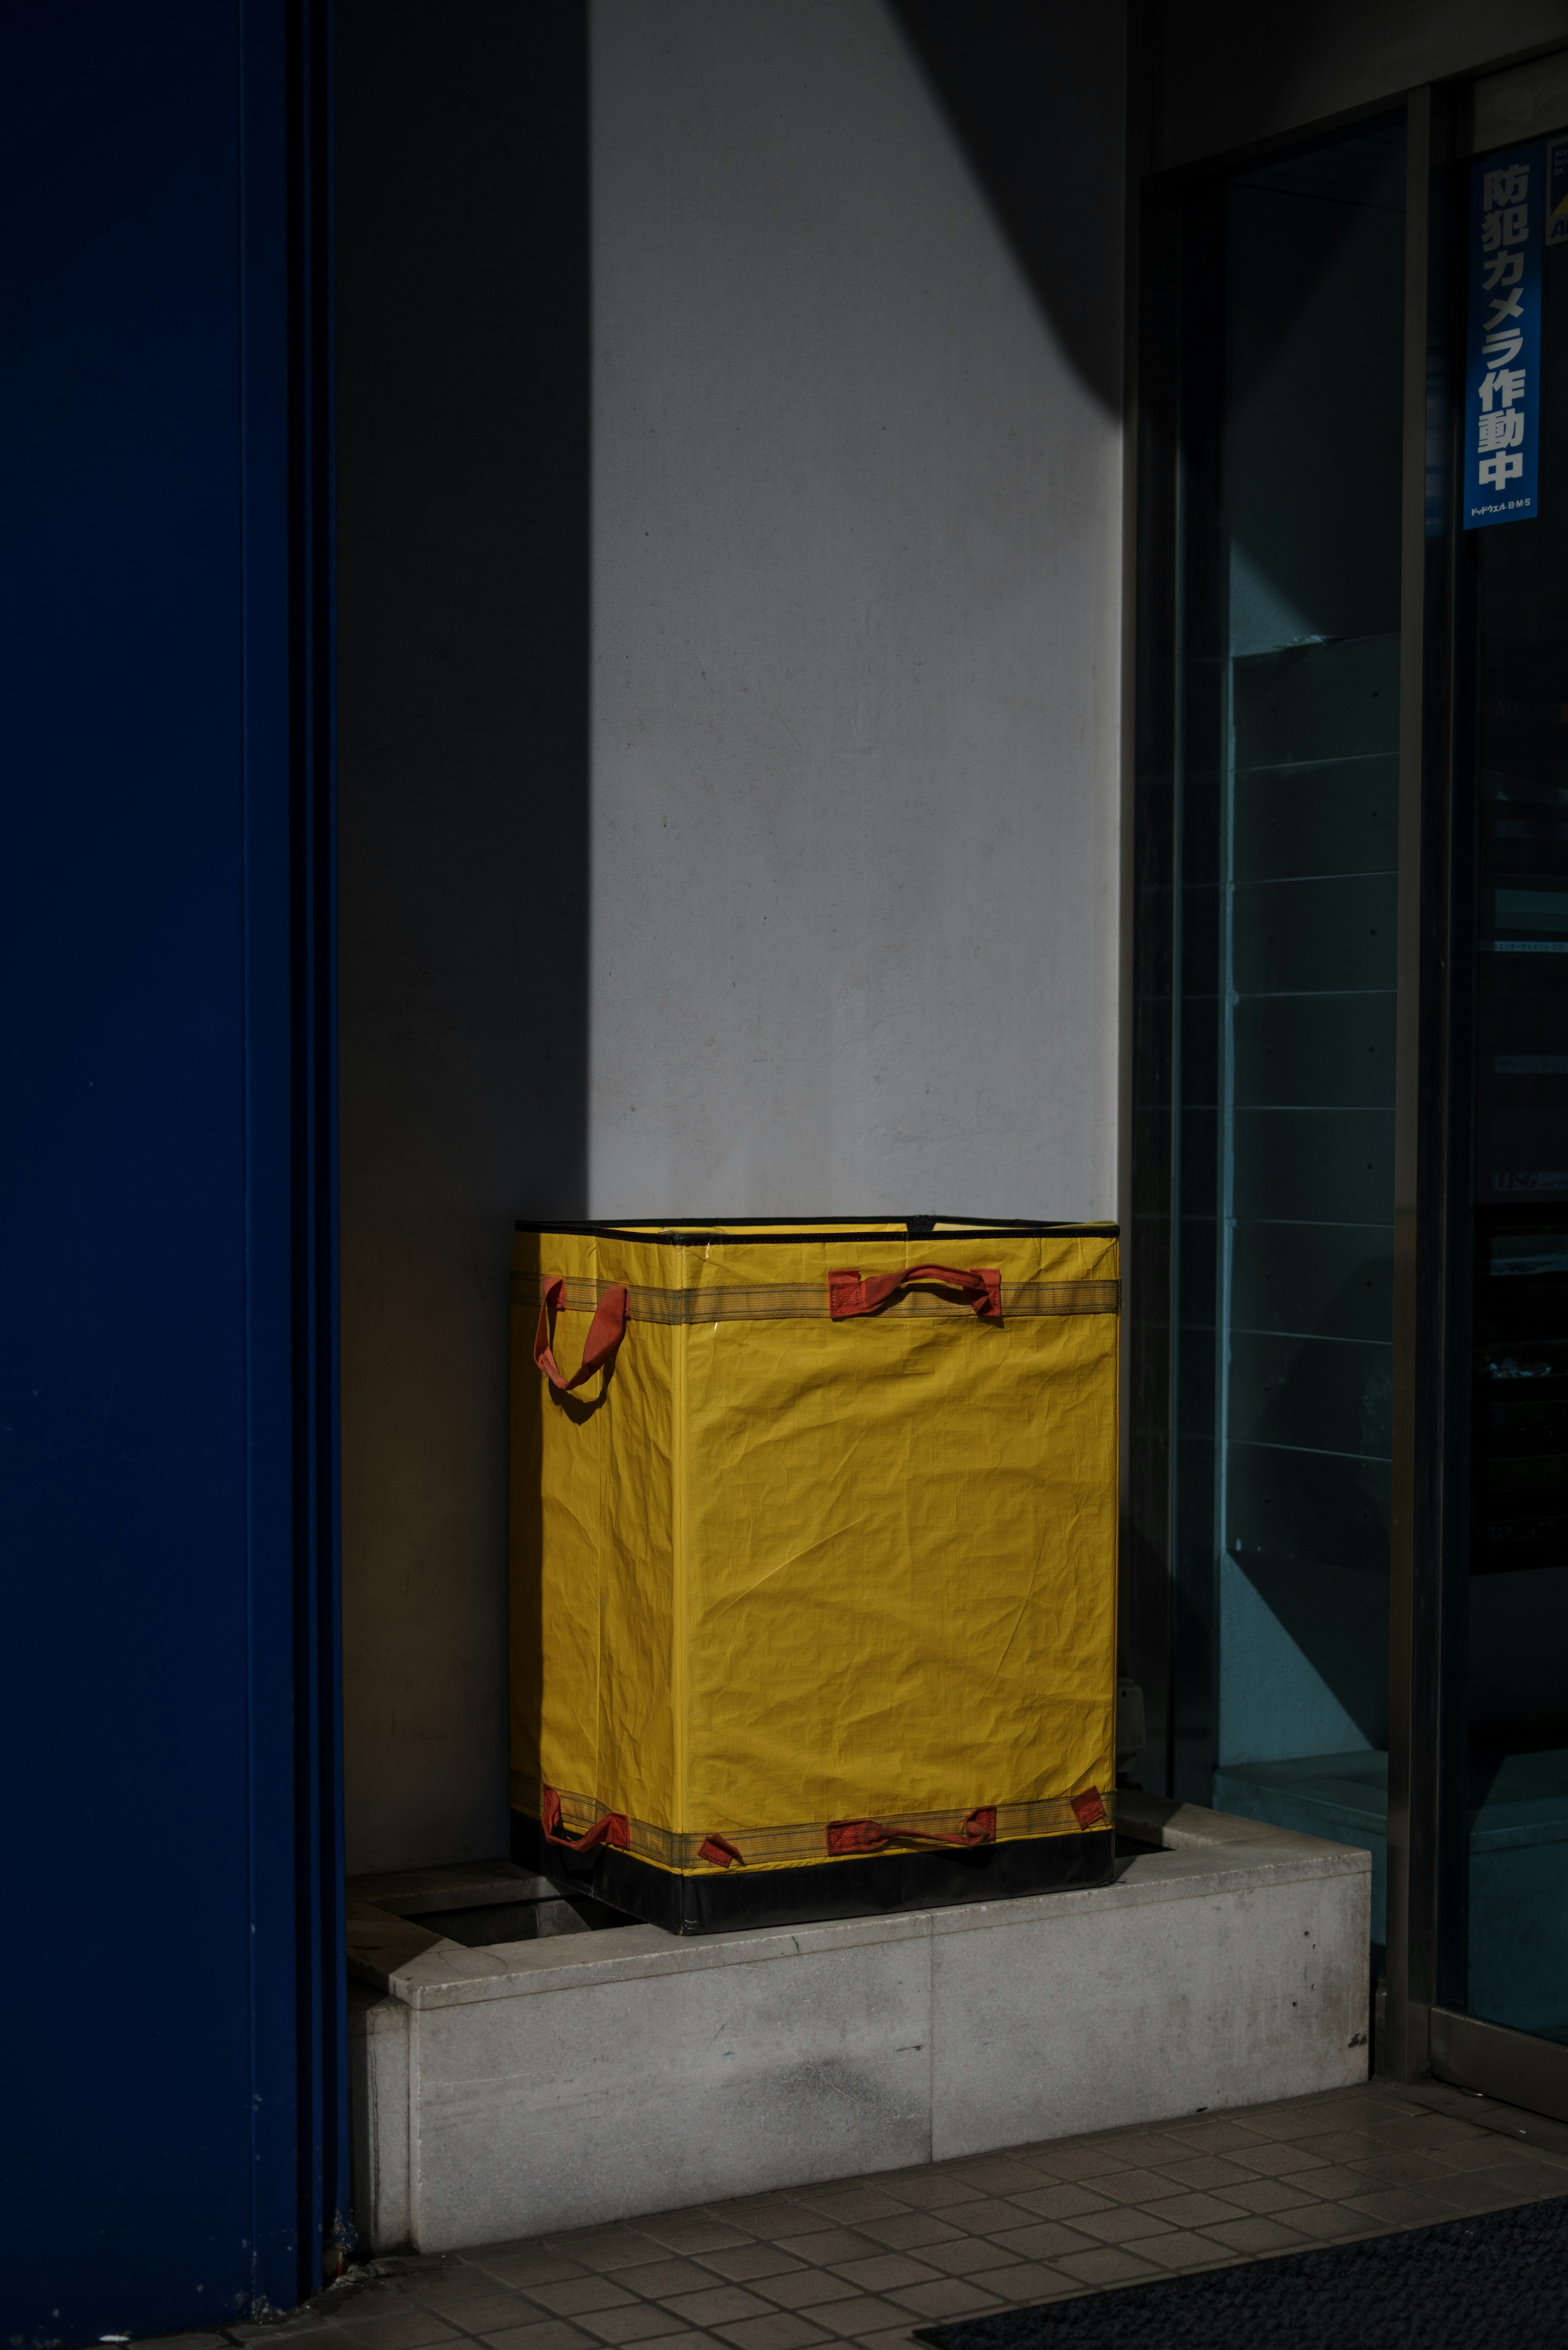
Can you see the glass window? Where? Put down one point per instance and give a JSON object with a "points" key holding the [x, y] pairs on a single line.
{"points": [[1509, 1960], [1285, 949]]}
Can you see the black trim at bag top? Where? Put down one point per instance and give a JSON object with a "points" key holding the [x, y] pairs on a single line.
{"points": [[876, 1885], [754, 1229]]}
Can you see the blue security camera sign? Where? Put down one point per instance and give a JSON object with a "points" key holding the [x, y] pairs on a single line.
{"points": [[1502, 378]]}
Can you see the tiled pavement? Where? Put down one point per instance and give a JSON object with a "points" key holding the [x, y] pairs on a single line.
{"points": [[865, 2260]]}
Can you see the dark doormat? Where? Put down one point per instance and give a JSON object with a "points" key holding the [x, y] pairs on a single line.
{"points": [[1464, 2285]]}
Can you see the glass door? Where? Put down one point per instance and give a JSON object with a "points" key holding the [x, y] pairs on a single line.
{"points": [[1504, 1940], [1287, 806], [1350, 1372]]}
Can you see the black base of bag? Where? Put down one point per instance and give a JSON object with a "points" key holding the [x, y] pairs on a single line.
{"points": [[870, 1886]]}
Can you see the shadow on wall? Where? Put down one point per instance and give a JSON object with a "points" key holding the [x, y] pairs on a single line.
{"points": [[986, 66], [463, 447], [465, 389]]}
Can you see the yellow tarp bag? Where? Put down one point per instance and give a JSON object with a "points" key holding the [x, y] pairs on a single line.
{"points": [[813, 1546]]}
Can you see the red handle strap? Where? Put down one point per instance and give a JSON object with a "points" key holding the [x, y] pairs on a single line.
{"points": [[606, 1332], [870, 1835], [615, 1828], [847, 1295]]}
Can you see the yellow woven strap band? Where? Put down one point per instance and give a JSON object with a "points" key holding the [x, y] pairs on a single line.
{"points": [[808, 1841], [807, 1301]]}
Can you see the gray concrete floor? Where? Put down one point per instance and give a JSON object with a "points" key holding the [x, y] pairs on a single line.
{"points": [[863, 2260]]}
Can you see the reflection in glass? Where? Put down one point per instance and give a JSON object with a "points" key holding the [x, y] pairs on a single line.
{"points": [[1513, 1948], [1288, 855]]}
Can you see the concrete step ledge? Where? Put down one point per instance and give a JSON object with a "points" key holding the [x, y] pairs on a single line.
{"points": [[1226, 1966]]}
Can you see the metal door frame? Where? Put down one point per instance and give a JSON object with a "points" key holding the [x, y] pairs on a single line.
{"points": [[1428, 1796]]}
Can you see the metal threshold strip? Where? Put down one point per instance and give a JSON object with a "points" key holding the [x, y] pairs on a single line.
{"points": [[1511, 2066]]}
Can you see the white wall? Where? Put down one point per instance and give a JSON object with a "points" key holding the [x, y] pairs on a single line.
{"points": [[855, 640], [823, 840], [827, 919]]}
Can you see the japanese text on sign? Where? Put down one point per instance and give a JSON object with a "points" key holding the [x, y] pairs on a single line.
{"points": [[1502, 379]]}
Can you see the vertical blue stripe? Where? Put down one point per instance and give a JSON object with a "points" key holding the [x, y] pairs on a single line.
{"points": [[1501, 423], [172, 2152]]}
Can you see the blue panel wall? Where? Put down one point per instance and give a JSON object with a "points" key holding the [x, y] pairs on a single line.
{"points": [[170, 2138]]}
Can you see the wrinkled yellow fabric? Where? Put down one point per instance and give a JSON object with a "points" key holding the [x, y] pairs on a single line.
{"points": [[774, 1572]]}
